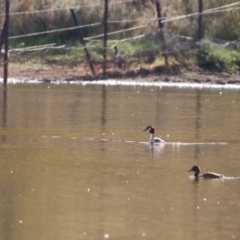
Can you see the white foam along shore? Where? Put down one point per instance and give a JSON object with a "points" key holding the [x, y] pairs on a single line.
{"points": [[129, 83]]}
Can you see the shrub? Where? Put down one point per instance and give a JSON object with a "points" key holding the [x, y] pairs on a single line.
{"points": [[216, 59]]}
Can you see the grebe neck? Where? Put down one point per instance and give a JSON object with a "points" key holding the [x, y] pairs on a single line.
{"points": [[151, 139]]}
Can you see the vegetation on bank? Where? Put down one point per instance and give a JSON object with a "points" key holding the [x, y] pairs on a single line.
{"points": [[207, 56], [144, 51], [218, 59]]}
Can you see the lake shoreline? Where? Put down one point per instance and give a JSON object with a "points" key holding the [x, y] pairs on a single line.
{"points": [[172, 74]]}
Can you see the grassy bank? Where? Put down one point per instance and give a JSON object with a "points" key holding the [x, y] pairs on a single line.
{"points": [[145, 52]]}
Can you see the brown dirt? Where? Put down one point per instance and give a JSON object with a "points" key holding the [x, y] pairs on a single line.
{"points": [[174, 73]]}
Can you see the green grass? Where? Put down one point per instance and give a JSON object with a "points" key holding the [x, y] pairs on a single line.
{"points": [[217, 59], [208, 57]]}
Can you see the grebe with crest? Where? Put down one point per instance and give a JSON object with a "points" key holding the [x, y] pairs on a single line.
{"points": [[196, 169], [153, 139]]}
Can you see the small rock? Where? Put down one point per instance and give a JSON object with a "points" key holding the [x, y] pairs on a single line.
{"points": [[144, 71], [220, 82], [130, 73], [197, 80], [46, 80], [233, 82]]}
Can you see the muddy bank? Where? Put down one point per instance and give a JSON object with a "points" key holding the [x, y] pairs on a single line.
{"points": [[51, 73]]}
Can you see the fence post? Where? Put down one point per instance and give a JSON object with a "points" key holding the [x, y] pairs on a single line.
{"points": [[200, 19], [105, 37], [80, 34], [161, 26], [2, 38], [5, 35]]}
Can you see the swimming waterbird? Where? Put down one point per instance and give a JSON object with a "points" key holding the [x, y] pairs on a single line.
{"points": [[196, 169], [153, 139]]}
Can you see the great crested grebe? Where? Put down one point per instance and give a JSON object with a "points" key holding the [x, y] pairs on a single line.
{"points": [[196, 169], [153, 139]]}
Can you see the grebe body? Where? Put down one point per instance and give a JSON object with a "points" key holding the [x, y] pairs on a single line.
{"points": [[196, 169]]}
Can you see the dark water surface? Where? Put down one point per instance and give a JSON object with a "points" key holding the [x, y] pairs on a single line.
{"points": [[75, 163]]}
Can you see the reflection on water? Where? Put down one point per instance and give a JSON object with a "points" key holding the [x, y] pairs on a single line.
{"points": [[4, 110], [198, 121], [156, 150], [75, 163]]}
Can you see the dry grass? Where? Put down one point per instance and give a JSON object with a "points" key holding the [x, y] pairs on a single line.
{"points": [[225, 25]]}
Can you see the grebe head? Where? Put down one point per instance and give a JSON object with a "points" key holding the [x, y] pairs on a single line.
{"points": [[151, 129], [195, 169]]}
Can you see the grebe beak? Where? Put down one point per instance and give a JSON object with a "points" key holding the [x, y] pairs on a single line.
{"points": [[146, 128]]}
